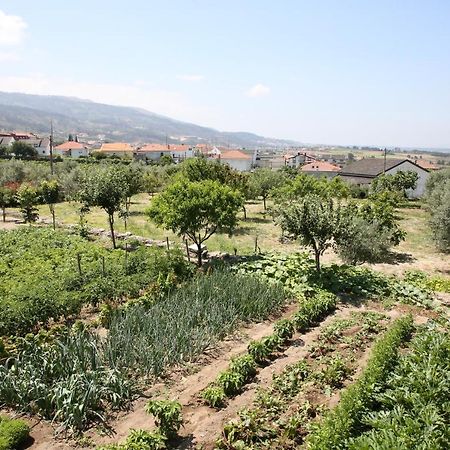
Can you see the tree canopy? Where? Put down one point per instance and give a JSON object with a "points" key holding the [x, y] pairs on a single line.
{"points": [[196, 209]]}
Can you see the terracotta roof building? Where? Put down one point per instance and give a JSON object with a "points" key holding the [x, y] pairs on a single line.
{"points": [[72, 149], [320, 166], [117, 149]]}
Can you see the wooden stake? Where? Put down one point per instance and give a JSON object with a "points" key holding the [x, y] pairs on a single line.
{"points": [[167, 243]]}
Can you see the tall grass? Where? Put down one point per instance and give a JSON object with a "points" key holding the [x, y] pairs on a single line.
{"points": [[188, 321]]}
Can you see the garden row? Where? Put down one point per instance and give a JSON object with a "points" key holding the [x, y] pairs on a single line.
{"points": [[76, 377], [47, 275], [282, 413]]}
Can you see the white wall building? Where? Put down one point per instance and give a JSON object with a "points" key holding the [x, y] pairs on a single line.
{"points": [[71, 149]]}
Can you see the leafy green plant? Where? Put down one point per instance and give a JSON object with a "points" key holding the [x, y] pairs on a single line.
{"points": [[244, 365], [259, 351], [13, 433], [167, 415], [345, 420], [231, 382], [140, 440], [214, 396], [284, 328]]}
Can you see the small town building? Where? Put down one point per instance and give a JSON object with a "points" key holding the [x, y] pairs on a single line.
{"points": [[364, 171], [320, 169], [121, 149], [297, 160], [178, 152], [236, 159], [6, 141], [41, 145], [71, 149]]}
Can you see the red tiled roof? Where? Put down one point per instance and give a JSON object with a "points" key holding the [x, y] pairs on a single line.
{"points": [[320, 166], [154, 148], [426, 164], [234, 154], [116, 147], [69, 146]]}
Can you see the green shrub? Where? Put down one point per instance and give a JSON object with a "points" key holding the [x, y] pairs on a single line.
{"points": [[167, 415], [231, 382], [259, 351], [244, 365], [284, 329], [214, 396]]}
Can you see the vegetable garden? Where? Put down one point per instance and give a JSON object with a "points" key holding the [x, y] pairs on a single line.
{"points": [[132, 348]]}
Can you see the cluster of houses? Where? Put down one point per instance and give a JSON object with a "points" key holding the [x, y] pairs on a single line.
{"points": [[360, 172]]}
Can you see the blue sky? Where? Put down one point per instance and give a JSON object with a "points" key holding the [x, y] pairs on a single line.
{"points": [[336, 72]]}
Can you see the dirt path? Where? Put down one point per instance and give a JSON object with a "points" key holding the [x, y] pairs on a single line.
{"points": [[202, 424]]}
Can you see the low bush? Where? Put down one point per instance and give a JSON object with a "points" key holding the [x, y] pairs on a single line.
{"points": [[214, 396], [167, 415], [13, 433], [140, 440]]}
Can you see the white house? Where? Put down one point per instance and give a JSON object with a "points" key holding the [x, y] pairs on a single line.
{"points": [[320, 169], [42, 146], [236, 159], [178, 152], [297, 159], [71, 149], [362, 172]]}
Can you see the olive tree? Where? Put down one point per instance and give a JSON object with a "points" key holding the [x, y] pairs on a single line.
{"points": [[51, 194], [105, 188], [438, 203], [265, 180], [7, 199], [196, 210], [27, 198], [313, 220]]}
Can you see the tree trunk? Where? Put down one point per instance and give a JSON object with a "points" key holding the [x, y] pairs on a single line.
{"points": [[264, 201], [52, 210], [199, 254], [245, 212], [317, 258], [111, 227], [4, 213]]}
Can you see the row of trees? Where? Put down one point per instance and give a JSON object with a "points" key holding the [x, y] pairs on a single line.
{"points": [[200, 197]]}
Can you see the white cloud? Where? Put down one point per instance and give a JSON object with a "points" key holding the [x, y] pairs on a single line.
{"points": [[191, 77], [157, 100], [258, 90], [12, 29]]}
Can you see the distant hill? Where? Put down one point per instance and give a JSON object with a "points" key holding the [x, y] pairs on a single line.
{"points": [[117, 123]]}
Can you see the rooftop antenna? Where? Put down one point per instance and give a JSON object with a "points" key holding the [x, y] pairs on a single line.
{"points": [[51, 147]]}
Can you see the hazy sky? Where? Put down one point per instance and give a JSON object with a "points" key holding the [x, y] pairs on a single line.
{"points": [[342, 72]]}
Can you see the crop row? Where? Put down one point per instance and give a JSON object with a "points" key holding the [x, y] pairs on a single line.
{"points": [[346, 419], [413, 410], [243, 368], [277, 419], [77, 377], [46, 274]]}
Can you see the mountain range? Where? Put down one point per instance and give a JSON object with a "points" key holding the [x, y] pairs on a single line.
{"points": [[33, 113]]}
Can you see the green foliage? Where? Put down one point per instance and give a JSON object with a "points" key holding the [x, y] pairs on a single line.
{"points": [[13, 433], [214, 396], [412, 411], [54, 288], [399, 182], [27, 198], [22, 150], [167, 415], [346, 420], [438, 202], [313, 221], [360, 241], [259, 351], [304, 184], [231, 382], [7, 199], [50, 192], [284, 328], [244, 365], [196, 209], [263, 181], [140, 440], [65, 381], [425, 281], [146, 340], [107, 189]]}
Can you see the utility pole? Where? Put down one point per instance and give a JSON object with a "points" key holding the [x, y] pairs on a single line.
{"points": [[51, 147], [384, 166]]}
